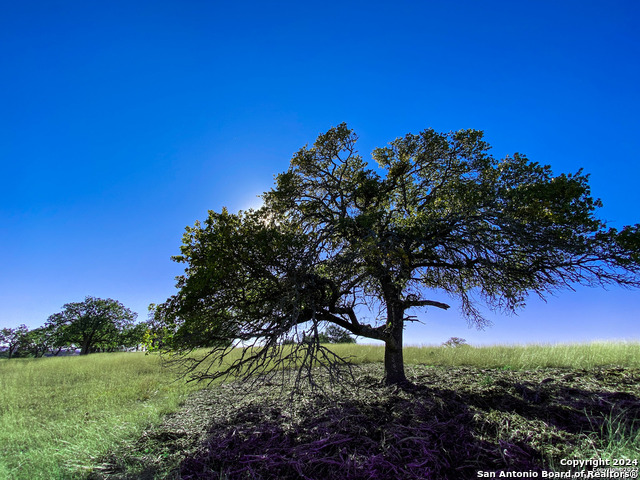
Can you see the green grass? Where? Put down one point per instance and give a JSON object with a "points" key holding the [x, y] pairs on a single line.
{"points": [[59, 416], [517, 357], [618, 437]]}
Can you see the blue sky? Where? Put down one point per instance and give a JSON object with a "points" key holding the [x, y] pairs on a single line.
{"points": [[123, 122]]}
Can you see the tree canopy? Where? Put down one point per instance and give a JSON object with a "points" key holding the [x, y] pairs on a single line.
{"points": [[335, 334], [13, 338], [93, 323], [340, 242]]}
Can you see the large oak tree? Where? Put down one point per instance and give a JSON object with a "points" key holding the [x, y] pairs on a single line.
{"points": [[338, 241], [91, 323]]}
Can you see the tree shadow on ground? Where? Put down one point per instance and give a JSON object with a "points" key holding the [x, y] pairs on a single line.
{"points": [[451, 424]]}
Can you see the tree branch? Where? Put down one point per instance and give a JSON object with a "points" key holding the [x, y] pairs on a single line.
{"points": [[425, 303]]}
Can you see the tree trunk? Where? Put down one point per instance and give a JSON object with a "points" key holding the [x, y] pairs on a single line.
{"points": [[393, 358]]}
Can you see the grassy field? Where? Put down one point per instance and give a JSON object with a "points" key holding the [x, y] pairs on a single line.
{"points": [[60, 417], [57, 415], [515, 357]]}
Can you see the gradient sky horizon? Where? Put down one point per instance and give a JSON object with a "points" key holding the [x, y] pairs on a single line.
{"points": [[123, 122]]}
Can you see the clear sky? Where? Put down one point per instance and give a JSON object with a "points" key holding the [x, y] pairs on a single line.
{"points": [[122, 122]]}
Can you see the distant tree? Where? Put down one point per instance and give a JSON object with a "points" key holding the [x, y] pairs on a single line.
{"points": [[331, 334], [13, 339], [360, 248], [37, 342], [56, 338], [92, 324], [133, 335], [455, 342], [334, 334]]}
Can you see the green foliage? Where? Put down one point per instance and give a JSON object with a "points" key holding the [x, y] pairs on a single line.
{"points": [[133, 335], [37, 341], [93, 324], [237, 283], [334, 237], [334, 334], [14, 339]]}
